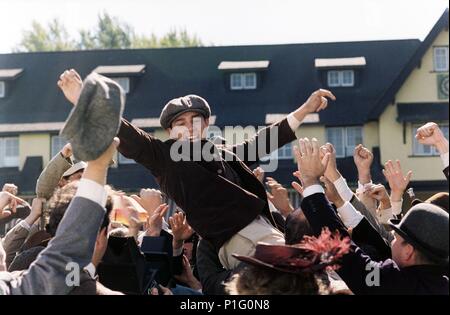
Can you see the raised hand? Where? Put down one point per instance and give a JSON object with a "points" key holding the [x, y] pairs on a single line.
{"points": [[363, 159], [331, 192], [397, 181], [279, 196], [8, 200], [315, 103], [70, 83], [431, 134], [155, 221], [11, 188], [331, 172], [310, 166], [187, 276], [181, 230], [149, 199], [379, 193]]}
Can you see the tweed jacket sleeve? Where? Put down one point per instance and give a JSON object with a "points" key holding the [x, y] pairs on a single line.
{"points": [[51, 175]]}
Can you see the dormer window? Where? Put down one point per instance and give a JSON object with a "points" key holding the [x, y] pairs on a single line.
{"points": [[244, 75], [243, 81], [124, 83], [124, 75], [345, 78], [5, 76], [340, 72]]}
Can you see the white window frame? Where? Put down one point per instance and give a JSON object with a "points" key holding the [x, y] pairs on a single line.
{"points": [[443, 49], [2, 89], [13, 160], [352, 76], [124, 82], [346, 147], [249, 86], [243, 82], [284, 153], [329, 78], [340, 78], [57, 143], [416, 145]]}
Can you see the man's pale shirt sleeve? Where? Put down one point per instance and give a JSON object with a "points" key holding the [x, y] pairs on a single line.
{"points": [[342, 188], [93, 191]]}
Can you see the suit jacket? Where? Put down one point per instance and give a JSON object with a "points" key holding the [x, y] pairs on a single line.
{"points": [[14, 240], [212, 274], [73, 243], [356, 266], [385, 234], [215, 207], [91, 286]]}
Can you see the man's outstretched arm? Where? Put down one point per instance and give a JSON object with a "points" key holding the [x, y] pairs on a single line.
{"points": [[281, 133], [135, 143]]}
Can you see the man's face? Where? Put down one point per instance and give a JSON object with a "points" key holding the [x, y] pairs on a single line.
{"points": [[188, 126], [402, 252], [75, 176]]}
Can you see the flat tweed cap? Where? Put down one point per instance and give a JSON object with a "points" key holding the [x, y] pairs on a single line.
{"points": [[181, 105], [95, 120]]}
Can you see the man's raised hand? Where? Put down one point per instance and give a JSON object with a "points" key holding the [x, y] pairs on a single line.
{"points": [[431, 134], [70, 83], [310, 166]]}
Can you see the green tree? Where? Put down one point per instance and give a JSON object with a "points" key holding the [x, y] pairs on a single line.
{"points": [[110, 33], [54, 37]]}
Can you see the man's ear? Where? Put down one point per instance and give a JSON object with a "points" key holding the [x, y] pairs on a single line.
{"points": [[409, 253]]}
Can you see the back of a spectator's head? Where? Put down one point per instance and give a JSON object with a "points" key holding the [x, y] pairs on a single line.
{"points": [[119, 232], [58, 205], [297, 226]]}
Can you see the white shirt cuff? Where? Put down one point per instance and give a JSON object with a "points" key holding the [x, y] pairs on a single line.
{"points": [[444, 158], [384, 216], [313, 189], [396, 207], [90, 269], [349, 215], [93, 191], [344, 191], [293, 122], [361, 189], [25, 225]]}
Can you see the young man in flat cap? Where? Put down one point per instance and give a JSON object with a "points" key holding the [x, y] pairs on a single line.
{"points": [[223, 200]]}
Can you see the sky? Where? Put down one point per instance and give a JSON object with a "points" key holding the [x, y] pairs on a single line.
{"points": [[234, 22]]}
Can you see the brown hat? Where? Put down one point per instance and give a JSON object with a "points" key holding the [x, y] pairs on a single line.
{"points": [[311, 255], [181, 105], [440, 199]]}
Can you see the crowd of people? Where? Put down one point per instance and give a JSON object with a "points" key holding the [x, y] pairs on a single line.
{"points": [[234, 230]]}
